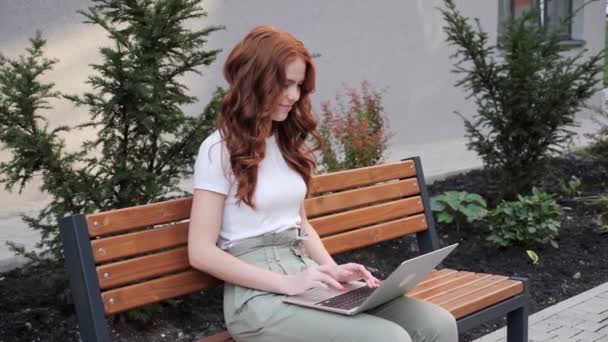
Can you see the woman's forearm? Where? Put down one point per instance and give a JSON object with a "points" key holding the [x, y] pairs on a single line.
{"points": [[314, 246], [222, 265]]}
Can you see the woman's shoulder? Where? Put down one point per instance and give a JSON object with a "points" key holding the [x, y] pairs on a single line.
{"points": [[213, 138], [213, 141]]}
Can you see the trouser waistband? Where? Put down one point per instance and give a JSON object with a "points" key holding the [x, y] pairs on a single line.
{"points": [[285, 237]]}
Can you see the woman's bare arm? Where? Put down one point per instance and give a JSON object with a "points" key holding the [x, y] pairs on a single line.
{"points": [[314, 246]]}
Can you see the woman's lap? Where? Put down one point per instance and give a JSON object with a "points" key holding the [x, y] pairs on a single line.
{"points": [[270, 319], [253, 315]]}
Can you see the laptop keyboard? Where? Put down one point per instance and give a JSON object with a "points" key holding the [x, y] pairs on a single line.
{"points": [[348, 300]]}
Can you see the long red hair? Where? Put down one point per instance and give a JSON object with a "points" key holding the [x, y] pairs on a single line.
{"points": [[255, 71]]}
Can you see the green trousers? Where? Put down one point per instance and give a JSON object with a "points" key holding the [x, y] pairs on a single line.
{"points": [[253, 315]]}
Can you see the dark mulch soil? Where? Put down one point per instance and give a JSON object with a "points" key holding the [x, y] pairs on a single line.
{"points": [[34, 309]]}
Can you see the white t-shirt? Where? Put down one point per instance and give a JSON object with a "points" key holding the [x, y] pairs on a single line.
{"points": [[278, 195]]}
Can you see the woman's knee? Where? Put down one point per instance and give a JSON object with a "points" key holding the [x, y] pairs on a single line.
{"points": [[385, 331], [443, 327]]}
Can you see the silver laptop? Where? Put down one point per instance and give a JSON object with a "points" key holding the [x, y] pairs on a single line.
{"points": [[358, 297]]}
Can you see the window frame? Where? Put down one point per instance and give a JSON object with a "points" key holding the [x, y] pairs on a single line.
{"points": [[568, 41]]}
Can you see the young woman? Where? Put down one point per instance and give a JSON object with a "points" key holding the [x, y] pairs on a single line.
{"points": [[248, 225]]}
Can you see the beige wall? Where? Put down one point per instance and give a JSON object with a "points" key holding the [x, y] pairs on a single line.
{"points": [[398, 45]]}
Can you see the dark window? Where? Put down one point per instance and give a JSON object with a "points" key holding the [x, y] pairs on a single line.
{"points": [[552, 14]]}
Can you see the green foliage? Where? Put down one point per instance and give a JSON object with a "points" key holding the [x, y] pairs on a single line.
{"points": [[601, 222], [142, 316], [526, 93], [144, 144], [606, 55], [572, 188], [533, 256], [600, 200], [458, 207], [530, 219], [598, 148], [355, 135]]}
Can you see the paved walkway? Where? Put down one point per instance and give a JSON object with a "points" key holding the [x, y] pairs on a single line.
{"points": [[581, 318]]}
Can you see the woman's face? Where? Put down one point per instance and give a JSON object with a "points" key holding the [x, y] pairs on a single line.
{"points": [[295, 71]]}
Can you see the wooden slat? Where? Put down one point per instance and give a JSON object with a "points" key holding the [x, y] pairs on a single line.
{"points": [[370, 235], [438, 281], [362, 176], [130, 244], [221, 337], [437, 274], [446, 285], [483, 298], [471, 287], [352, 198], [132, 296], [336, 223], [120, 220], [129, 271]]}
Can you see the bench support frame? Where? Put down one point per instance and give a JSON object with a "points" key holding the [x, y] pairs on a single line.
{"points": [[427, 239], [83, 279], [516, 308]]}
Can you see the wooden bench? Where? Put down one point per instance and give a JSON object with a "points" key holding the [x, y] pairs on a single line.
{"points": [[126, 258]]}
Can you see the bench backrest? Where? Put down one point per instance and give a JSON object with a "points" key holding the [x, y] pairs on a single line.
{"points": [[126, 258]]}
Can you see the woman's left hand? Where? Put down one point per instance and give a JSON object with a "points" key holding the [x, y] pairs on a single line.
{"points": [[353, 271]]}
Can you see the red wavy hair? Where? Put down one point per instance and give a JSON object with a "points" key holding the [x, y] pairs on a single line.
{"points": [[255, 71]]}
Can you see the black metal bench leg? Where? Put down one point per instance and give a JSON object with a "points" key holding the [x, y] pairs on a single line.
{"points": [[517, 325]]}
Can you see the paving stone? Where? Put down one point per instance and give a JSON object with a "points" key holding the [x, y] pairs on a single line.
{"points": [[587, 316], [549, 325], [594, 306], [564, 319], [582, 318], [490, 338], [562, 339], [587, 336], [540, 336], [592, 326], [604, 330], [566, 332], [571, 316]]}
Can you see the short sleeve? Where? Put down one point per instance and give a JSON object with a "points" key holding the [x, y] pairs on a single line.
{"points": [[211, 166]]}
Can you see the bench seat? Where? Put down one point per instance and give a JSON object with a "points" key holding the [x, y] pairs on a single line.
{"points": [[461, 293]]}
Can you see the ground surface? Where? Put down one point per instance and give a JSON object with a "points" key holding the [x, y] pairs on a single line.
{"points": [[34, 309]]}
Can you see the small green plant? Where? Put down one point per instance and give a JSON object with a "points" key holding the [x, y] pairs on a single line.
{"points": [[598, 148], [602, 223], [533, 256], [530, 219], [599, 200], [572, 188], [458, 207], [355, 134]]}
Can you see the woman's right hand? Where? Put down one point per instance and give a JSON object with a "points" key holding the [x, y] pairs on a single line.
{"points": [[321, 276]]}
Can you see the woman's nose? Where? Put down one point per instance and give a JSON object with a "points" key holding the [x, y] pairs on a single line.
{"points": [[293, 95]]}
